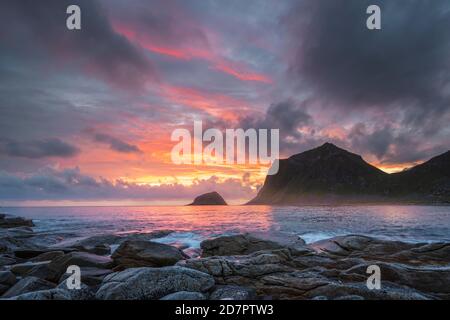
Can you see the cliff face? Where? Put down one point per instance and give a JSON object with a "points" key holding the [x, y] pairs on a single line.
{"points": [[330, 174]]}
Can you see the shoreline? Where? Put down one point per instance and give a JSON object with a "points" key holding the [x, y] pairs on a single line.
{"points": [[236, 267]]}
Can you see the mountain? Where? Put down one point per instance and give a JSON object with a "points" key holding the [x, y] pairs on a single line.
{"points": [[209, 199], [329, 174]]}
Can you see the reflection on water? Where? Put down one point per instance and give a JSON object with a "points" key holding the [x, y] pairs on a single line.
{"points": [[192, 224]]}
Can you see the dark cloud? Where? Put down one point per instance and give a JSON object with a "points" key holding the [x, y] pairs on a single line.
{"points": [[37, 31], [394, 80], [287, 116], [116, 144], [403, 65], [36, 149]]}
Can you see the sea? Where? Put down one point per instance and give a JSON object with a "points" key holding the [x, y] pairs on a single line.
{"points": [[193, 224]]}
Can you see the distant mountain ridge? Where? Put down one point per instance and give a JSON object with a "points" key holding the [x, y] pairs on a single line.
{"points": [[329, 174]]}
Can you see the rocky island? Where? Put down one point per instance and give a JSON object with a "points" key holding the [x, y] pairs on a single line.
{"points": [[209, 199], [236, 267]]}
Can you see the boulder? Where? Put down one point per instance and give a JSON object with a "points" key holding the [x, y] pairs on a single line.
{"points": [[152, 283], [209, 199], [233, 293], [7, 280], [82, 259], [22, 269], [241, 244], [89, 276], [28, 284], [6, 260], [137, 253], [368, 248], [184, 295], [9, 221], [51, 294], [47, 256]]}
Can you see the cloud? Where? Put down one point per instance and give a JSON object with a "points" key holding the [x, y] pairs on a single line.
{"points": [[72, 184], [116, 144], [38, 33], [353, 67], [36, 149], [290, 117]]}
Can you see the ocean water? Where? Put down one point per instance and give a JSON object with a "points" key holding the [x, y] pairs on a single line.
{"points": [[191, 225]]}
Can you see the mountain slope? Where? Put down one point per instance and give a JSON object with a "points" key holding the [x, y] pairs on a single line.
{"points": [[329, 174]]}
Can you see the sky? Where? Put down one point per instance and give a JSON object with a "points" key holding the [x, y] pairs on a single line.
{"points": [[86, 116]]}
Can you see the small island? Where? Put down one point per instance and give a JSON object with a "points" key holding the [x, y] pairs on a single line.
{"points": [[209, 199]]}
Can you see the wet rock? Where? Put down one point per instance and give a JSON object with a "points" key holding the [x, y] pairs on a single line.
{"points": [[100, 249], [7, 280], [33, 253], [9, 221], [10, 244], [89, 276], [47, 256], [28, 284], [85, 292], [6, 260], [425, 279], [82, 259], [22, 269], [136, 253], [52, 294], [357, 246], [243, 270], [233, 293], [152, 283], [241, 244], [184, 295]]}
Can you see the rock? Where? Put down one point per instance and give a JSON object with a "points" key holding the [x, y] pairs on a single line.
{"points": [[41, 271], [3, 289], [152, 283], [368, 248], [240, 244], [233, 293], [209, 199], [52, 294], [10, 244], [242, 270], [6, 260], [9, 221], [34, 253], [47, 256], [136, 253], [101, 249], [283, 274], [59, 293], [7, 280], [184, 295], [425, 279], [28, 284], [22, 269], [89, 276], [84, 293], [82, 259], [17, 232], [111, 239]]}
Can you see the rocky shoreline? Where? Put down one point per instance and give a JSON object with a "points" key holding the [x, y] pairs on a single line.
{"points": [[229, 267]]}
